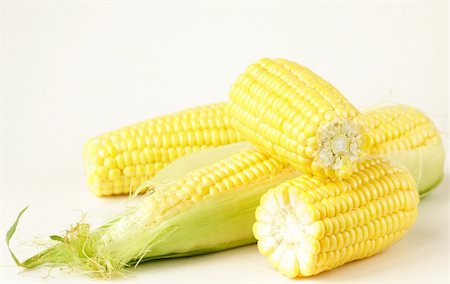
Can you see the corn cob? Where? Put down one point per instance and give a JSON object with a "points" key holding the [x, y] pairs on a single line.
{"points": [[308, 225], [189, 209], [121, 160], [292, 113]]}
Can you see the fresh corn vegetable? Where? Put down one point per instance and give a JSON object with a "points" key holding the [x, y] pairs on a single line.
{"points": [[206, 200], [292, 113], [308, 225], [189, 209], [119, 161], [397, 130]]}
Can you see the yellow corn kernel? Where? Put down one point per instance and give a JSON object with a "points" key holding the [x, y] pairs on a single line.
{"points": [[292, 113], [305, 229]]}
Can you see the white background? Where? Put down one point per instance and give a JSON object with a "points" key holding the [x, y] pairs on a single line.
{"points": [[71, 70]]}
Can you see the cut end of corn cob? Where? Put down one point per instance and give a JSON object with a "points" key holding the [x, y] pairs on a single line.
{"points": [[295, 115], [309, 225], [341, 144]]}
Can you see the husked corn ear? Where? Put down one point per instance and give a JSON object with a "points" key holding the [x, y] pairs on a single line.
{"points": [[229, 174], [408, 138], [308, 225], [119, 161], [292, 113], [233, 173]]}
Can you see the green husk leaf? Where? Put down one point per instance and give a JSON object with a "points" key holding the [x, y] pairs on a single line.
{"points": [[57, 238], [190, 162], [215, 224], [10, 234], [425, 164]]}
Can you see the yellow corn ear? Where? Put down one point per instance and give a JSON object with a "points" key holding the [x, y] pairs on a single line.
{"points": [[407, 137], [119, 161], [308, 225], [292, 113]]}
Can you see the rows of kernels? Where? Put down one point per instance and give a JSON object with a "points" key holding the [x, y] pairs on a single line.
{"points": [[259, 104], [422, 135], [400, 127], [241, 169], [132, 152], [370, 230], [338, 221], [328, 93], [330, 260], [119, 161], [280, 106], [120, 183]]}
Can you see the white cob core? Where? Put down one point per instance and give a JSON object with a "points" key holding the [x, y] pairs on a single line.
{"points": [[339, 142]]}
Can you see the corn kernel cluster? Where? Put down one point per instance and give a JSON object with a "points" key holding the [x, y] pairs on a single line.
{"points": [[119, 161], [399, 128]]}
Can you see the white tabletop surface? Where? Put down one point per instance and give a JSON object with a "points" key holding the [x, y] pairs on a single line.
{"points": [[73, 69]]}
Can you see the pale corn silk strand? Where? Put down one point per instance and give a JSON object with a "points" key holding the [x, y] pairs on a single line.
{"points": [[389, 101], [419, 178]]}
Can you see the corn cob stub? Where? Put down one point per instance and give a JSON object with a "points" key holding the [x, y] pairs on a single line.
{"points": [[119, 161], [292, 113], [309, 225]]}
